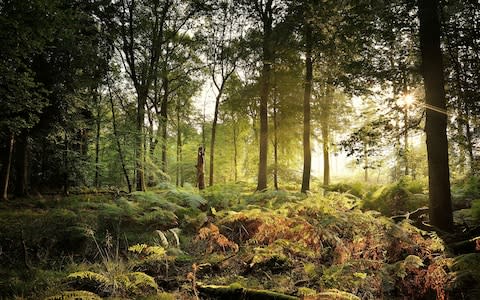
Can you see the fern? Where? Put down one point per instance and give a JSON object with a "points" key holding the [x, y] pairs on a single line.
{"points": [[91, 276], [152, 252], [139, 280], [75, 295]]}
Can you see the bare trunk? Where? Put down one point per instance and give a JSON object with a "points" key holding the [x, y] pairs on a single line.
{"points": [[212, 141], [179, 149], [22, 165], [275, 143], [97, 144], [139, 141], [436, 118], [235, 152], [469, 142], [117, 140], [66, 174], [265, 90], [7, 168], [405, 140], [365, 166], [201, 168], [307, 152], [163, 122], [326, 154]]}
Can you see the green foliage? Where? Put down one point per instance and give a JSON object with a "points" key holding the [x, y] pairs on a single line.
{"points": [[397, 198], [357, 189], [75, 295], [465, 190]]}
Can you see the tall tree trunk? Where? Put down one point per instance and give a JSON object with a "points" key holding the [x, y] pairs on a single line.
{"points": [[275, 142], [7, 168], [117, 140], [96, 181], [440, 209], [139, 141], [22, 165], [265, 90], [201, 168], [66, 172], [163, 122], [235, 151], [179, 148], [365, 160], [405, 139], [325, 129], [326, 154], [307, 151], [469, 141], [212, 140]]}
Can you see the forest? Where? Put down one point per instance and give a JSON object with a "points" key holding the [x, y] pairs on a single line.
{"points": [[239, 149]]}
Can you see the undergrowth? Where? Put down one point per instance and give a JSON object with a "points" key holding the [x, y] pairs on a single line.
{"points": [[146, 244]]}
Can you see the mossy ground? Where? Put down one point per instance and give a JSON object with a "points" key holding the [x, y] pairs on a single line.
{"points": [[320, 246]]}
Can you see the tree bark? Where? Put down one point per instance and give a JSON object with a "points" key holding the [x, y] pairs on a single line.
{"points": [[179, 148], [436, 117], [163, 122], [212, 140], [275, 141], [201, 168], [267, 19], [235, 151], [119, 147], [139, 139], [307, 151], [7, 168], [326, 154], [22, 159], [96, 182]]}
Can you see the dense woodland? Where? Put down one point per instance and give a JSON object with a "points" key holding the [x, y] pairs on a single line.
{"points": [[239, 149]]}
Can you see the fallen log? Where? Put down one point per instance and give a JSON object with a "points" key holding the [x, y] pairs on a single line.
{"points": [[239, 292]]}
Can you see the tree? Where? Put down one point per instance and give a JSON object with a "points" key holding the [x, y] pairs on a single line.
{"points": [[307, 152], [440, 209], [264, 12], [223, 53]]}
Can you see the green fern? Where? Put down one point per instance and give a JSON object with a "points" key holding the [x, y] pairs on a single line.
{"points": [[75, 295], [91, 276]]}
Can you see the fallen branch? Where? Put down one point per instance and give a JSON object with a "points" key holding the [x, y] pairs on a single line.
{"points": [[238, 292]]}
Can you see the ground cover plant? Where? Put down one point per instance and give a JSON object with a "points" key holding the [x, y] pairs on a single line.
{"points": [[171, 243]]}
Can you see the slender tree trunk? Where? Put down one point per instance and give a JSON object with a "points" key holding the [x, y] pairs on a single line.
{"points": [[469, 142], [235, 151], [325, 129], [440, 209], [405, 139], [22, 165], [117, 140], [307, 151], [66, 174], [139, 141], [179, 148], [97, 142], [326, 154], [7, 168], [201, 168], [275, 142], [365, 166], [265, 90], [163, 122], [212, 140]]}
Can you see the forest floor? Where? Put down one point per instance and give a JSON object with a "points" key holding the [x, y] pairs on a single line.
{"points": [[230, 243]]}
